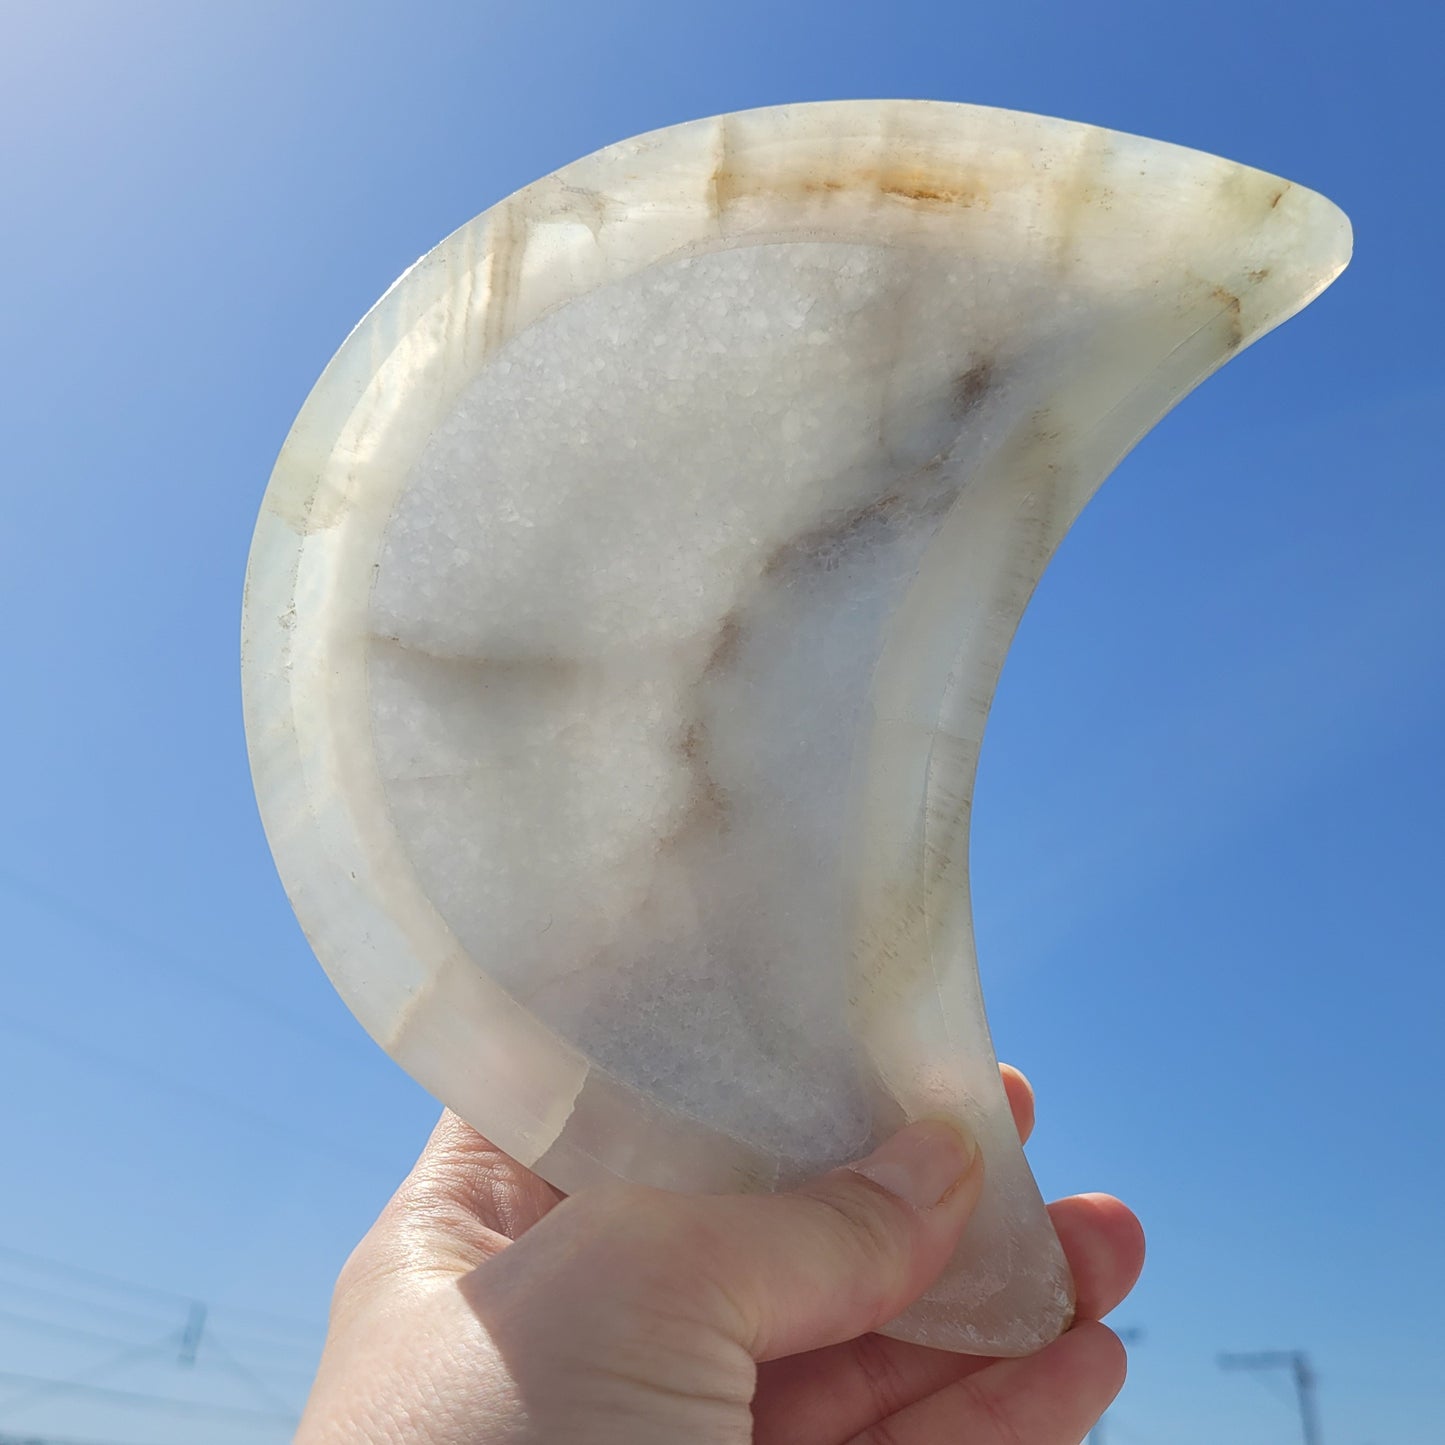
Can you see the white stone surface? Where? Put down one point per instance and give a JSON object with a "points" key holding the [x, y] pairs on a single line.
{"points": [[627, 601]]}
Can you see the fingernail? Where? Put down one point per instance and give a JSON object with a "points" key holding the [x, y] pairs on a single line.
{"points": [[922, 1164]]}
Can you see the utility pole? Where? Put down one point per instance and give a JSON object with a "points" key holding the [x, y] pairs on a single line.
{"points": [[191, 1335], [1096, 1435], [1298, 1364]]}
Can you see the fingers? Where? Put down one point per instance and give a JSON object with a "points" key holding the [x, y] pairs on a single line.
{"points": [[465, 1199], [671, 1298], [778, 1274], [831, 1394], [1051, 1398], [481, 1198], [849, 1251], [1104, 1242], [1020, 1100]]}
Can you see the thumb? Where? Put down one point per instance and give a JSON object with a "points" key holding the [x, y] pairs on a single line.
{"points": [[841, 1255]]}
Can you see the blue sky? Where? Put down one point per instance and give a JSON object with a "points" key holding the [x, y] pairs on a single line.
{"points": [[1207, 842]]}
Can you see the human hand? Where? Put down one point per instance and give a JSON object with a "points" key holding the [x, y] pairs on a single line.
{"points": [[631, 1316]]}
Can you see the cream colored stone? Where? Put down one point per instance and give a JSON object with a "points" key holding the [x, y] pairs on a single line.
{"points": [[627, 602]]}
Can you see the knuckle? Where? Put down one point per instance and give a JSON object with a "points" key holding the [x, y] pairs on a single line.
{"points": [[881, 1432], [870, 1236], [368, 1274], [878, 1369], [986, 1405], [663, 1258], [645, 1236], [871, 1222]]}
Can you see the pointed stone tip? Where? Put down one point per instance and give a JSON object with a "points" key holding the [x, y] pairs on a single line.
{"points": [[1327, 231]]}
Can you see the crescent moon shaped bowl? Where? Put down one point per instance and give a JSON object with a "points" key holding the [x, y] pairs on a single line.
{"points": [[627, 601]]}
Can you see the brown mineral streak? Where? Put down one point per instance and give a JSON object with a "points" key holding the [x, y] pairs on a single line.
{"points": [[830, 535], [968, 392], [1079, 188], [708, 806], [542, 667], [507, 236], [1230, 302], [593, 208], [971, 387], [918, 183], [892, 955], [723, 183], [725, 649]]}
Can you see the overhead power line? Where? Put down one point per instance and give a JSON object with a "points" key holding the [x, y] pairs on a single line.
{"points": [[31, 1439], [217, 1356], [74, 1332], [40, 1387], [159, 1080], [159, 958], [302, 1341], [180, 1328], [1297, 1362], [162, 1404], [48, 1295], [248, 1377], [97, 1278], [117, 1284]]}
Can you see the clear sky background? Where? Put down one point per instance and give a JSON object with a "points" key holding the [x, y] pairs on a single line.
{"points": [[1208, 851]]}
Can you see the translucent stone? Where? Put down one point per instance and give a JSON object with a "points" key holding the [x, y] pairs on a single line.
{"points": [[627, 602]]}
